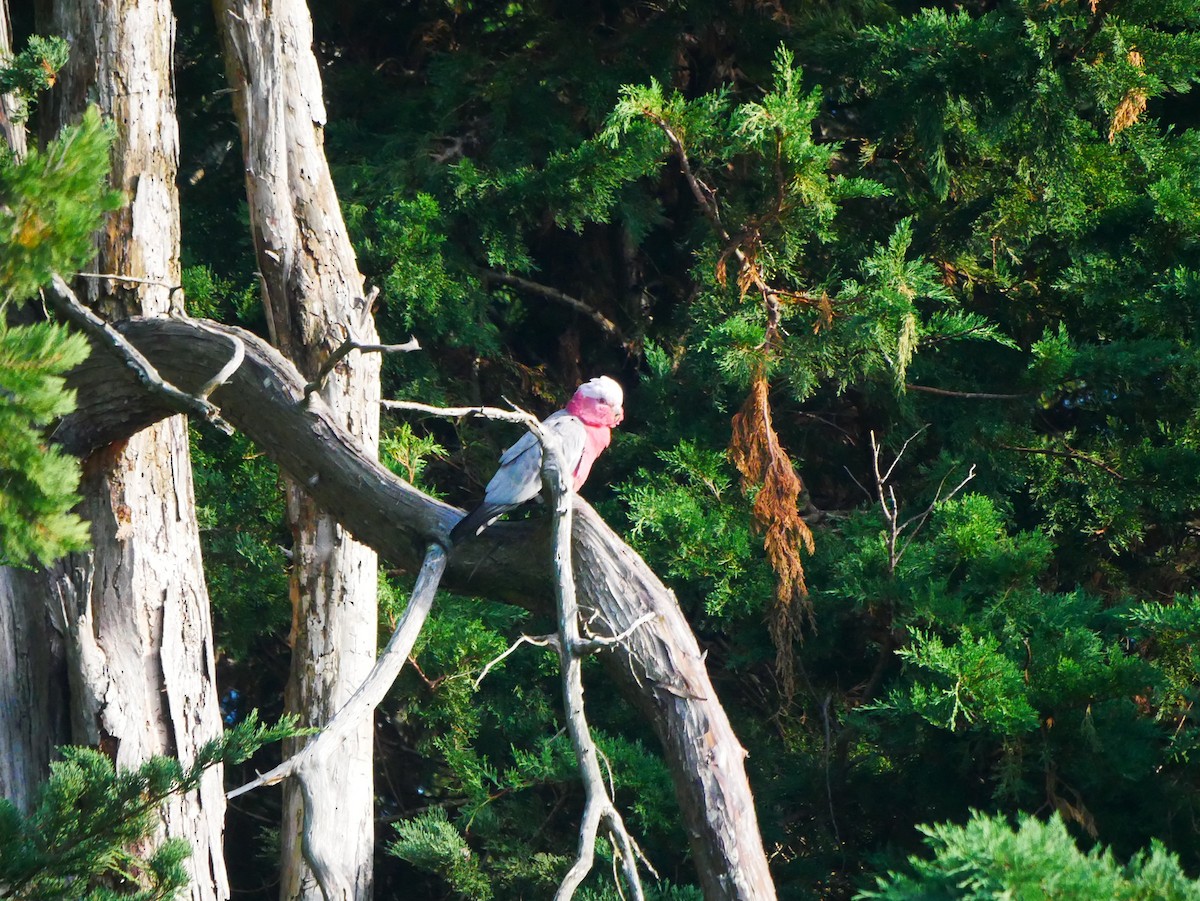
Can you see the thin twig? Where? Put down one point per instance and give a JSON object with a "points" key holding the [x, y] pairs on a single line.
{"points": [[1069, 454], [458, 412], [969, 395], [63, 299], [226, 371], [891, 506], [133, 280], [540, 641], [601, 642], [347, 347], [560, 297]]}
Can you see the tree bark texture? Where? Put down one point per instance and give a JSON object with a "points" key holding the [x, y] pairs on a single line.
{"points": [[32, 687], [660, 664], [313, 294], [135, 610]]}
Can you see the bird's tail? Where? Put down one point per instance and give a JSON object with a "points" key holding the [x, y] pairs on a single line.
{"points": [[477, 520]]}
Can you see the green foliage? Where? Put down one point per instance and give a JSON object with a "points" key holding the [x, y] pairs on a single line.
{"points": [[50, 204], [988, 860], [406, 454], [430, 842], [80, 842], [37, 482], [688, 519], [32, 70], [244, 537]]}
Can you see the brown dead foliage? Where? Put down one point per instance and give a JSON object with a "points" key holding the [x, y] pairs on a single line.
{"points": [[755, 450], [1132, 105]]}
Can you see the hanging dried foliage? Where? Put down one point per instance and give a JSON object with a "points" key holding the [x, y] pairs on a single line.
{"points": [[763, 463], [1132, 105]]}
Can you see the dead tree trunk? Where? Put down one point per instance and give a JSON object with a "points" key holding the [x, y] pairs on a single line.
{"points": [[314, 300], [135, 610], [659, 665]]}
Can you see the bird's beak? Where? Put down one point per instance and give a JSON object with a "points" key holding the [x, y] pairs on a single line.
{"points": [[618, 415]]}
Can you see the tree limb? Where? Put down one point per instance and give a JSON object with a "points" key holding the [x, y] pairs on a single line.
{"points": [[515, 281], [101, 333], [307, 763], [599, 808], [347, 347], [659, 667], [969, 395]]}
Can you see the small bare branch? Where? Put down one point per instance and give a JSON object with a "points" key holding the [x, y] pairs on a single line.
{"points": [[891, 506], [598, 808], [368, 695], [349, 346], [969, 395], [133, 280], [561, 297], [226, 371], [458, 412], [601, 642], [539, 641], [63, 299], [1069, 454]]}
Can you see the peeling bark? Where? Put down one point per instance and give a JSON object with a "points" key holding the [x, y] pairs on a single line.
{"points": [[659, 664]]}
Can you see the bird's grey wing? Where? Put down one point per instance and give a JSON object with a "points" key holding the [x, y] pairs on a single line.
{"points": [[572, 433], [519, 477]]}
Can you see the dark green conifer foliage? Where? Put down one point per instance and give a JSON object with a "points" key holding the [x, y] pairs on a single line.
{"points": [[50, 205], [987, 860], [79, 842], [986, 215]]}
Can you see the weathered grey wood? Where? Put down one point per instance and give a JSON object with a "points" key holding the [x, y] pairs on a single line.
{"points": [[135, 611], [314, 299], [660, 664]]}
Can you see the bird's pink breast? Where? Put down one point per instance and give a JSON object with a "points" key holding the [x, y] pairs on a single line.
{"points": [[598, 438]]}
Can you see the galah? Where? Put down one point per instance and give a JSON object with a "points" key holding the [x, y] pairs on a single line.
{"points": [[584, 429]]}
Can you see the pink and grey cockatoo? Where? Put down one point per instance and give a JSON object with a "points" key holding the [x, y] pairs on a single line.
{"points": [[584, 428]]}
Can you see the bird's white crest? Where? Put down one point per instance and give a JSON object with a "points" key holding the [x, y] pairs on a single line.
{"points": [[604, 389]]}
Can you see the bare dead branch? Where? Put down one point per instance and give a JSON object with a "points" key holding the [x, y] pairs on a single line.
{"points": [[561, 297], [225, 372], [349, 346], [891, 506], [133, 280], [969, 395], [368, 695], [1069, 454], [63, 299], [458, 412], [540, 641], [598, 808], [598, 643], [703, 193]]}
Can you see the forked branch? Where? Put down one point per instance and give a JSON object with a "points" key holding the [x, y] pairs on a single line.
{"points": [[890, 506], [599, 809]]}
